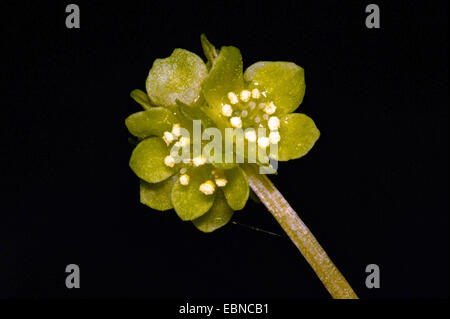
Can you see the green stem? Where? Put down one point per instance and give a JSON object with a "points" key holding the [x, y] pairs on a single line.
{"points": [[300, 235]]}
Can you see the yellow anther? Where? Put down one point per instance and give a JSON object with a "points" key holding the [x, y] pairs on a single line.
{"points": [[184, 179], [245, 95], [199, 160], [176, 129], [227, 110], [169, 161], [233, 98], [273, 123], [250, 136], [270, 108], [256, 94], [236, 122], [168, 137], [274, 137], [221, 182], [207, 188], [263, 142]]}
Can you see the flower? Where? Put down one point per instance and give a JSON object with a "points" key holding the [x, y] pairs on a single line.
{"points": [[182, 88]]}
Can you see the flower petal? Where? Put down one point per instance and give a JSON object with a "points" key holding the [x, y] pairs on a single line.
{"points": [[226, 75], [154, 121], [176, 77], [158, 195], [189, 202], [237, 190], [147, 160], [142, 98], [284, 81], [298, 135], [219, 215]]}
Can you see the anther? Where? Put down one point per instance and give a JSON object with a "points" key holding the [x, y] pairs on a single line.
{"points": [[184, 179], [263, 142], [245, 95], [250, 136], [274, 123], [236, 122], [168, 137], [207, 188], [199, 160], [274, 137], [256, 94], [270, 108], [169, 161], [233, 98], [227, 110]]}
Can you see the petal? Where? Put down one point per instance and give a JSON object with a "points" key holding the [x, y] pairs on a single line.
{"points": [[225, 76], [219, 215], [176, 77], [251, 70], [189, 202], [284, 81], [158, 195], [142, 98], [237, 190], [154, 121], [298, 135], [147, 160]]}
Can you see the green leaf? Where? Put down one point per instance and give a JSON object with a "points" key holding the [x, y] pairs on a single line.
{"points": [[142, 98], [219, 215], [158, 195], [147, 160], [176, 77], [209, 50], [189, 202], [284, 81], [154, 121], [237, 190], [225, 76], [298, 135]]}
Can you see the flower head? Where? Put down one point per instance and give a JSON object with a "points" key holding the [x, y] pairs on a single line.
{"points": [[182, 88]]}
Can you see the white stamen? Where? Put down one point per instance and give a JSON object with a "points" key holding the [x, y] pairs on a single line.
{"points": [[252, 105], [250, 136], [199, 160], [236, 122], [183, 170], [227, 110], [263, 142], [245, 95], [221, 182], [262, 105], [257, 120], [168, 137], [233, 98], [256, 94], [270, 108], [207, 188], [274, 137], [176, 129], [184, 141], [266, 117], [169, 161], [244, 113], [274, 123], [184, 179]]}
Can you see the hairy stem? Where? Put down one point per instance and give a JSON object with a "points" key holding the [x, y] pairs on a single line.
{"points": [[300, 235]]}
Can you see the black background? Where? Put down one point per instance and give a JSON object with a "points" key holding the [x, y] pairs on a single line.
{"points": [[373, 190]]}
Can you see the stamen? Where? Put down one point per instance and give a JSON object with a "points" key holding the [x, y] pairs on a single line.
{"points": [[183, 170], [270, 108], [263, 142], [207, 188], [199, 160], [244, 113], [262, 105], [251, 105], [221, 182], [274, 123], [176, 129], [266, 117], [227, 110], [184, 141], [169, 161], [168, 137], [256, 94], [274, 137], [250, 136], [236, 122], [245, 95], [233, 98], [257, 119], [184, 179]]}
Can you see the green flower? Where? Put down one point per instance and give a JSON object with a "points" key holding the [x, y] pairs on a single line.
{"points": [[182, 88]]}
